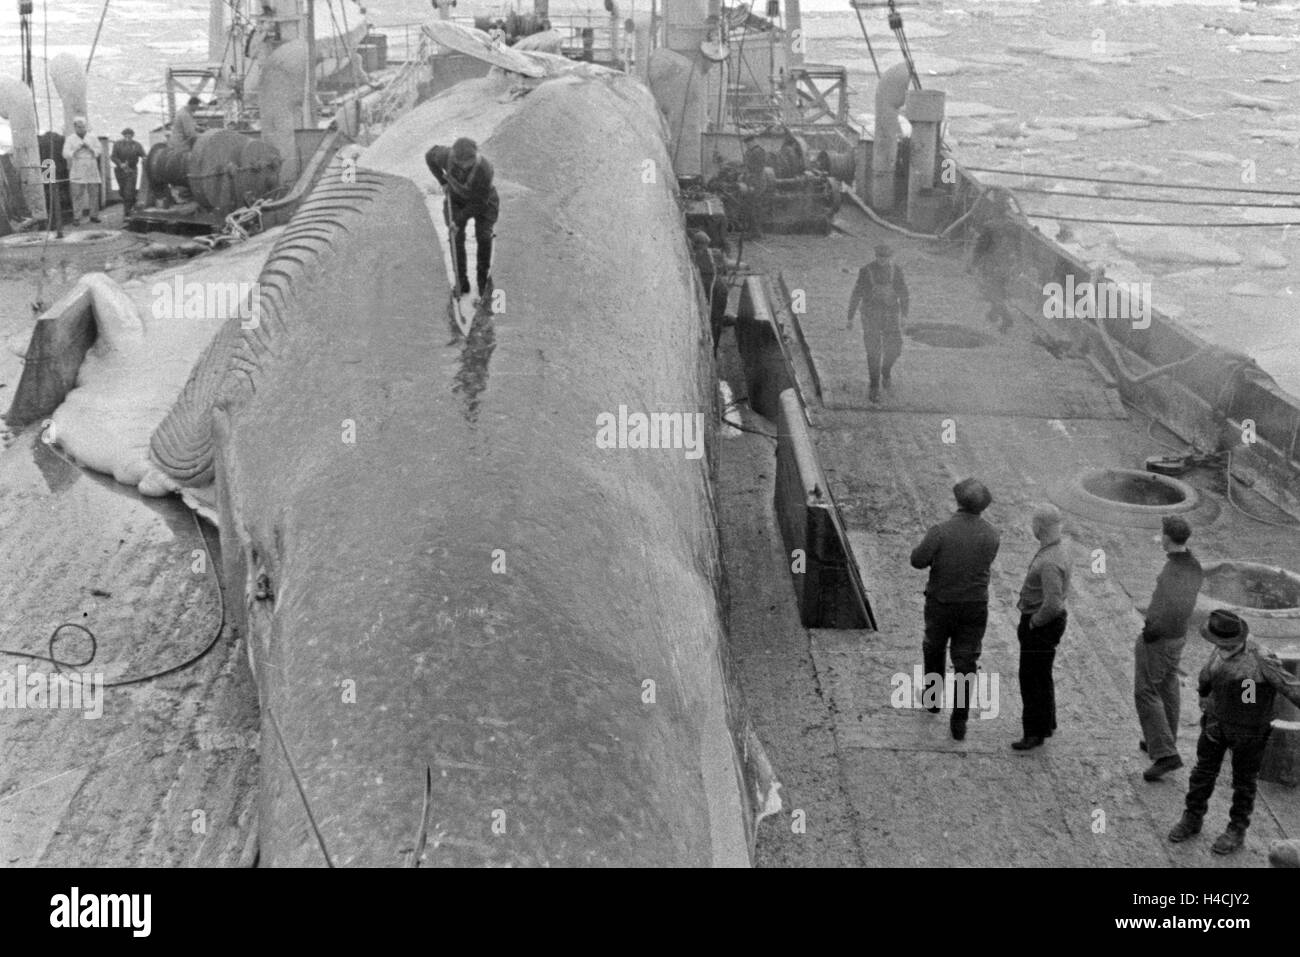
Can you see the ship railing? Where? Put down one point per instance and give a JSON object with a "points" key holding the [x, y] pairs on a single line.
{"points": [[404, 39], [1225, 388], [589, 37]]}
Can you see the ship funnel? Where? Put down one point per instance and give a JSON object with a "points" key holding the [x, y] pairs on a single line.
{"points": [[794, 32]]}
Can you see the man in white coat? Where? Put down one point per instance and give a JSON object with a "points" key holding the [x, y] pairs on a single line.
{"points": [[82, 153]]}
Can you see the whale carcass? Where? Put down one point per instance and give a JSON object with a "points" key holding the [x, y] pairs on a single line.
{"points": [[441, 573]]}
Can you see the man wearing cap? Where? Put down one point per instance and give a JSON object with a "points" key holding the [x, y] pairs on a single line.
{"points": [[881, 293], [1042, 623], [1159, 649], [959, 554], [1238, 686], [466, 178], [82, 153], [126, 156]]}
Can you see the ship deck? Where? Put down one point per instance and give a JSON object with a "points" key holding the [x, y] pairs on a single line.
{"points": [[168, 774], [886, 786]]}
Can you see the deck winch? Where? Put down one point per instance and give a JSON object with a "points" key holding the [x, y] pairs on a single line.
{"points": [[793, 196], [223, 171]]}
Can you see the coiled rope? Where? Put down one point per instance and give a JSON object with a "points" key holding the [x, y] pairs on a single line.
{"points": [[51, 656]]}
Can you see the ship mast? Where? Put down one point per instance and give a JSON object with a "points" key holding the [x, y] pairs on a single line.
{"points": [[216, 31], [309, 101]]}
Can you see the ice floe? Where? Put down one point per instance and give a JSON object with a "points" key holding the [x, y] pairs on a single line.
{"points": [[956, 109], [1265, 258], [1099, 50], [1169, 245], [1263, 45], [1258, 102], [155, 102], [997, 59], [1090, 124], [1285, 137], [1281, 213], [1130, 168], [1148, 111], [1051, 134], [1206, 157]]}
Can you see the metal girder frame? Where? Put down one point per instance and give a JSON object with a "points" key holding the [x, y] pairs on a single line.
{"points": [[200, 77], [810, 94]]}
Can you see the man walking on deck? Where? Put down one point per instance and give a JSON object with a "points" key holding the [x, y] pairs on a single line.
{"points": [[959, 553], [1159, 649], [881, 294], [1042, 623], [466, 178], [1238, 686]]}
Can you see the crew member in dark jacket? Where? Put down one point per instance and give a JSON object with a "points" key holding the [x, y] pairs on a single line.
{"points": [[126, 155], [1042, 623], [1159, 649], [754, 188], [959, 553], [881, 293], [1238, 686], [466, 178]]}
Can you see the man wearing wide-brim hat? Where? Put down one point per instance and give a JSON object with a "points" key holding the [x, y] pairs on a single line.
{"points": [[1238, 686]]}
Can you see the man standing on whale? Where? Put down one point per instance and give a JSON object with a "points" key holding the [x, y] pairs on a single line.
{"points": [[466, 178]]}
